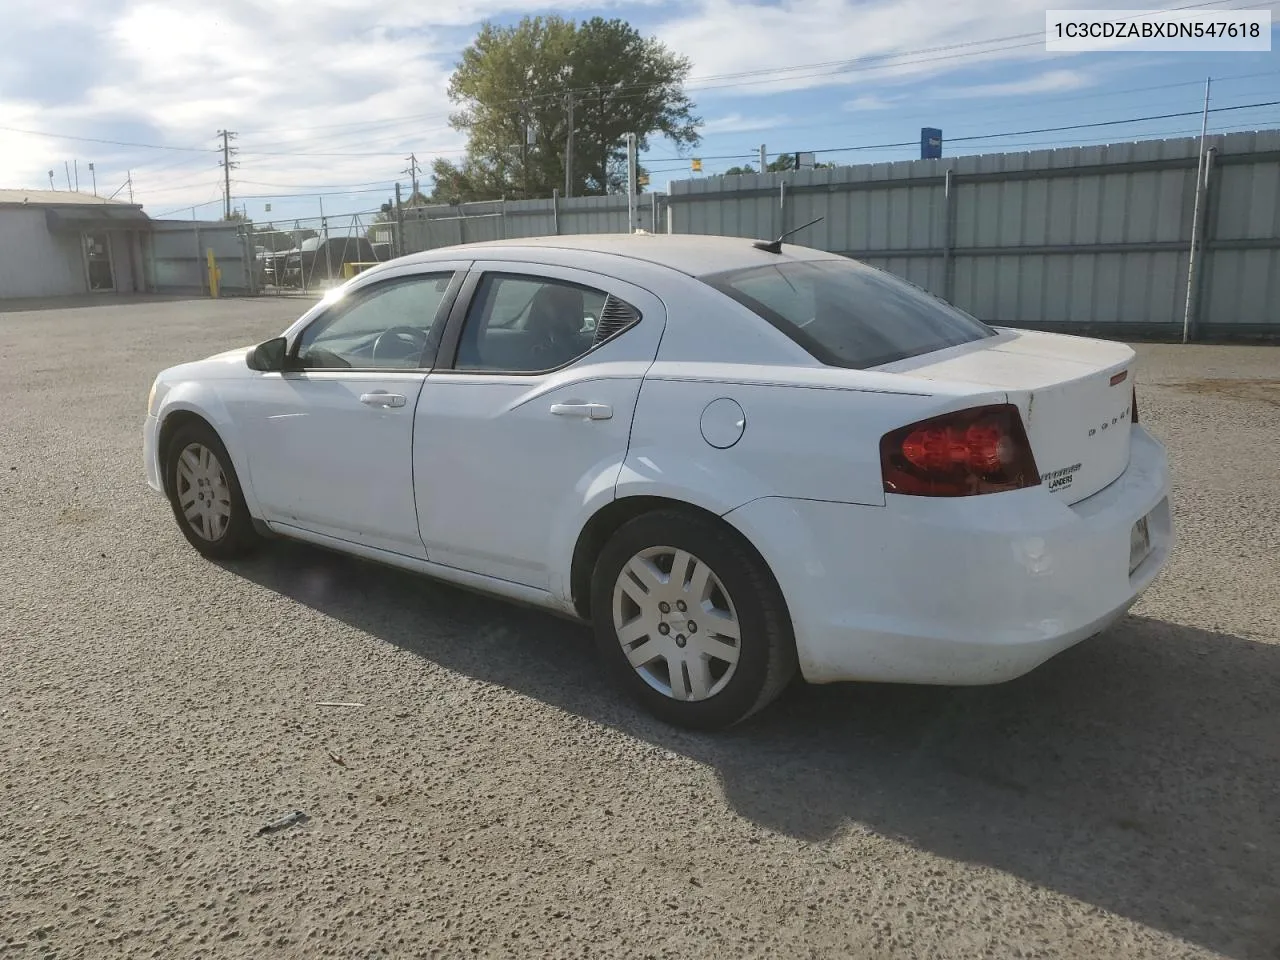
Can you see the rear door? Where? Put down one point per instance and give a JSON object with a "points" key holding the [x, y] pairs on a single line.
{"points": [[528, 413]]}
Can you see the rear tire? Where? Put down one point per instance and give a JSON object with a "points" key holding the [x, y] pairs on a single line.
{"points": [[205, 494], [690, 621]]}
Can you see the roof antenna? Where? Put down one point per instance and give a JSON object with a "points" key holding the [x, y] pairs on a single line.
{"points": [[775, 246]]}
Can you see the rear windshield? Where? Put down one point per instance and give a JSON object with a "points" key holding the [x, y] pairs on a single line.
{"points": [[848, 314]]}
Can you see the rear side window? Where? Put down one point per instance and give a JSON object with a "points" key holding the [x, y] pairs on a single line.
{"points": [[848, 314]]}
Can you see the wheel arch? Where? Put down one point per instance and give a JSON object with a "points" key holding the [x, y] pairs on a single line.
{"points": [[606, 521], [185, 405], [174, 421]]}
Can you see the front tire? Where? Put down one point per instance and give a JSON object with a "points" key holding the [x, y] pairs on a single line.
{"points": [[205, 494], [690, 621]]}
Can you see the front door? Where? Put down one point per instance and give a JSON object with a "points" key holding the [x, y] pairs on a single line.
{"points": [[97, 261], [531, 419], [329, 442]]}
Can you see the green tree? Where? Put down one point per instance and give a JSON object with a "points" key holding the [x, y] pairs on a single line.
{"points": [[783, 163], [787, 161], [513, 87]]}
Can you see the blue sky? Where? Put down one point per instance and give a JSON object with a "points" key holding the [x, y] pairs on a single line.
{"points": [[330, 96]]}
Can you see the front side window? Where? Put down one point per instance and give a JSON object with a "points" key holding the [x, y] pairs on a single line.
{"points": [[524, 324], [389, 324], [847, 314]]}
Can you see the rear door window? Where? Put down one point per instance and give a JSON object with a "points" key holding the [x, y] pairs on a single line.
{"points": [[528, 324], [847, 314]]}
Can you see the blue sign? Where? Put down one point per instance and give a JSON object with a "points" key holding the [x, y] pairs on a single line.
{"points": [[930, 143]]}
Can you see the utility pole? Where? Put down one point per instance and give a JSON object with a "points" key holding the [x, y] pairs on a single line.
{"points": [[95, 180], [631, 183], [412, 172], [399, 223], [764, 160], [568, 148], [66, 168], [77, 166], [328, 256], [1192, 260], [51, 184], [227, 165], [530, 141], [129, 174]]}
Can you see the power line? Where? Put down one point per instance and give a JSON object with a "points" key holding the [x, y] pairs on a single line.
{"points": [[617, 96], [370, 154], [114, 143], [319, 186], [617, 93], [187, 206], [1110, 123], [1220, 129], [828, 68], [988, 136], [185, 161], [380, 153], [312, 193], [401, 138], [681, 162], [558, 94], [825, 68], [380, 185]]}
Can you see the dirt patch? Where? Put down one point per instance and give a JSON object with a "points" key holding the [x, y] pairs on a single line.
{"points": [[1263, 391], [75, 515]]}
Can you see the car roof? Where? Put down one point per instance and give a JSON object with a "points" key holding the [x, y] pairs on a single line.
{"points": [[693, 254]]}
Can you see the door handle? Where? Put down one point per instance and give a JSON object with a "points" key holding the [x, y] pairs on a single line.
{"points": [[585, 411], [382, 399]]}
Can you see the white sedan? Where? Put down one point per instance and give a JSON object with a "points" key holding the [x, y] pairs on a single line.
{"points": [[736, 459]]}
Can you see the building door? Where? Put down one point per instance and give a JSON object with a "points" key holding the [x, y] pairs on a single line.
{"points": [[97, 258]]}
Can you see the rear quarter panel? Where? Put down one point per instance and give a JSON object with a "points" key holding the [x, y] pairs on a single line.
{"points": [[812, 441]]}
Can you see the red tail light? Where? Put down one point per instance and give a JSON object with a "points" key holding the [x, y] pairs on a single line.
{"points": [[983, 450]]}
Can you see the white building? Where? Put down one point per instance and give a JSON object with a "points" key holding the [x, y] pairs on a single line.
{"points": [[60, 243]]}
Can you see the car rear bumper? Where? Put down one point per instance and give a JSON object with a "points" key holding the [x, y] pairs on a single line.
{"points": [[150, 453], [968, 590]]}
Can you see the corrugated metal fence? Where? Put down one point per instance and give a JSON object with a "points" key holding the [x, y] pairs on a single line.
{"points": [[426, 228], [176, 256], [1080, 238]]}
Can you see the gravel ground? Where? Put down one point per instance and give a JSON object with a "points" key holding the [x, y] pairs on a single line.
{"points": [[493, 797]]}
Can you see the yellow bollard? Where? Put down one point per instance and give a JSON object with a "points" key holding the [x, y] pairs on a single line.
{"points": [[215, 275]]}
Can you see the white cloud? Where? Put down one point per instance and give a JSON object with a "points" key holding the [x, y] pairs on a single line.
{"points": [[1051, 81], [894, 39], [347, 88], [737, 123], [293, 76], [872, 101]]}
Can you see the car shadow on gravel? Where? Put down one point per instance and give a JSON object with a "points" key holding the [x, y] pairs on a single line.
{"points": [[1137, 771]]}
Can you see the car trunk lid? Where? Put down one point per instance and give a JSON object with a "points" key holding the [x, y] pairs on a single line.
{"points": [[1074, 395]]}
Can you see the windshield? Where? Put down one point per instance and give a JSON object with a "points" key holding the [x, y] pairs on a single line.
{"points": [[848, 314]]}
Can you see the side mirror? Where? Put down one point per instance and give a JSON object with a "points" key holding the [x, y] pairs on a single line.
{"points": [[269, 356]]}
